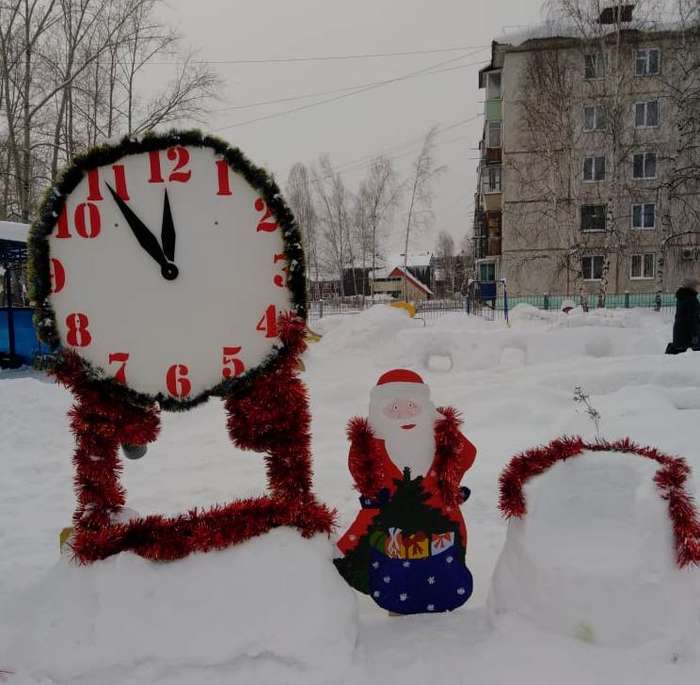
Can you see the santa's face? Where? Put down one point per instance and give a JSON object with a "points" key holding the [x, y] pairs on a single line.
{"points": [[403, 413]]}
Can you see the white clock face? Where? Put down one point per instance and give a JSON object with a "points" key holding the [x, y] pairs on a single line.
{"points": [[168, 272]]}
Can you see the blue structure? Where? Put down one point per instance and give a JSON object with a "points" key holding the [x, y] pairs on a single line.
{"points": [[18, 342]]}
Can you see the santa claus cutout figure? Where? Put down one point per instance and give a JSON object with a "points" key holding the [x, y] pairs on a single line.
{"points": [[406, 548]]}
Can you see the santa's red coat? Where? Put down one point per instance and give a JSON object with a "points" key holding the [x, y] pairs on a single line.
{"points": [[373, 470]]}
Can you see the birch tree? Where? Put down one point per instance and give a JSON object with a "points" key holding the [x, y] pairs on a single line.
{"points": [[300, 200], [377, 200], [332, 200], [420, 188]]}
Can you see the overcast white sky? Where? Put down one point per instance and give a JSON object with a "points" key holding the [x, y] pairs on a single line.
{"points": [[389, 119]]}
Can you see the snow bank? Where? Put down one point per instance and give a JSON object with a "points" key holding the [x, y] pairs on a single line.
{"points": [[368, 329], [271, 610], [594, 557]]}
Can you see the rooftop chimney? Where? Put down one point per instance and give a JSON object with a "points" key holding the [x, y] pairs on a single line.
{"points": [[617, 14]]}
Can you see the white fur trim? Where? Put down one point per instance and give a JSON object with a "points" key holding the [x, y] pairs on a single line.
{"points": [[389, 390]]}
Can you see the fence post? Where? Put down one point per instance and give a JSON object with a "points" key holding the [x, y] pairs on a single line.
{"points": [[546, 301], [320, 309], [627, 299], [657, 301]]}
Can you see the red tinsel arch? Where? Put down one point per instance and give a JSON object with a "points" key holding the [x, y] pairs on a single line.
{"points": [[670, 480], [270, 414]]}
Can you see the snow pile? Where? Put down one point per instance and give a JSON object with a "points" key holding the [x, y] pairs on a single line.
{"points": [[366, 330], [271, 610], [594, 556]]}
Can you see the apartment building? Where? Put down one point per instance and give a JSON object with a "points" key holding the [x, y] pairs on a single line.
{"points": [[588, 168]]}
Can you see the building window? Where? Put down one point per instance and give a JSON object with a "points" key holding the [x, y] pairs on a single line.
{"points": [[594, 168], [494, 134], [596, 65], [646, 114], [643, 266], [493, 85], [595, 118], [594, 217], [644, 165], [647, 62], [644, 215], [592, 267], [491, 179], [487, 272]]}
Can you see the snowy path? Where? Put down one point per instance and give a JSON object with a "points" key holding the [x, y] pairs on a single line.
{"points": [[515, 389]]}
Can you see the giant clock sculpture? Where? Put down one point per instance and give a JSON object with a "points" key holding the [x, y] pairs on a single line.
{"points": [[166, 270]]}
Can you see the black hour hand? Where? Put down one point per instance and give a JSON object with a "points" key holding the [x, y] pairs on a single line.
{"points": [[146, 239]]}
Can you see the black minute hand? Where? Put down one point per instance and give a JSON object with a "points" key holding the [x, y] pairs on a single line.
{"points": [[146, 239]]}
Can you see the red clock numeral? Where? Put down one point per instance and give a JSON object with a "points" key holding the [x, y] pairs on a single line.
{"points": [[87, 220], [58, 275], [182, 155], [94, 190], [177, 381], [62, 224], [178, 154], [119, 358], [120, 182], [279, 280], [94, 194], [222, 170], [78, 333], [87, 226], [264, 224], [232, 366], [154, 163], [268, 322]]}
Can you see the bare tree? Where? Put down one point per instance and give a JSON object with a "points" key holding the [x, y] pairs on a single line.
{"points": [[577, 97], [445, 252], [334, 218], [680, 186], [424, 172], [68, 80], [301, 202], [377, 199]]}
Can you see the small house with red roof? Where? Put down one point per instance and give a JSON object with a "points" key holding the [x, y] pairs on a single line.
{"points": [[404, 283]]}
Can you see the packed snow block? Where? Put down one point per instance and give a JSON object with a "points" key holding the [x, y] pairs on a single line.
{"points": [[273, 605], [593, 557]]}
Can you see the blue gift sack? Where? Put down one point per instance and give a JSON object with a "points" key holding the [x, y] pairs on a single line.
{"points": [[420, 586]]}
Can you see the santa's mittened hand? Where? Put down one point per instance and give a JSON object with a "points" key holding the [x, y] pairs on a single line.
{"points": [[465, 493]]}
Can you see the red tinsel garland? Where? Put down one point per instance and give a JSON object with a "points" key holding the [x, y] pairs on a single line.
{"points": [[670, 480], [365, 463], [270, 414]]}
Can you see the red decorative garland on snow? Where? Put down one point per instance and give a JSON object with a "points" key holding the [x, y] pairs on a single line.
{"points": [[670, 480], [366, 464], [270, 414]]}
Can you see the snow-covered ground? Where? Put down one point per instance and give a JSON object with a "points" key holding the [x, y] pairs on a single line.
{"points": [[515, 387]]}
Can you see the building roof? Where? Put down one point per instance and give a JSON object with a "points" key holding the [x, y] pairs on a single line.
{"points": [[16, 232], [420, 260], [398, 271]]}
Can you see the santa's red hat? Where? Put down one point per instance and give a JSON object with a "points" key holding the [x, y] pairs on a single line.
{"points": [[400, 382]]}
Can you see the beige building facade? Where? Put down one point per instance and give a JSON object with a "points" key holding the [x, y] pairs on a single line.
{"points": [[588, 179]]}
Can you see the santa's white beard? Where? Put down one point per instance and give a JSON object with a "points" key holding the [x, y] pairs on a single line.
{"points": [[413, 448]]}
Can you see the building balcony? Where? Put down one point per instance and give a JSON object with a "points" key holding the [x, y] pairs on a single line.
{"points": [[494, 109], [493, 202], [494, 246], [493, 155]]}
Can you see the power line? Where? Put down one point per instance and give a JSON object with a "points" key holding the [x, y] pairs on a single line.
{"points": [[330, 92], [362, 162], [378, 84], [329, 58]]}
